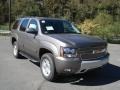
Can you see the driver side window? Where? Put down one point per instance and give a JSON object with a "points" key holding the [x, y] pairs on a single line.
{"points": [[33, 25]]}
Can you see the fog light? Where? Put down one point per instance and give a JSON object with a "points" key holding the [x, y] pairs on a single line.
{"points": [[67, 70]]}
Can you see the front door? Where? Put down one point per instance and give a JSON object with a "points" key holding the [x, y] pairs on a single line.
{"points": [[31, 44]]}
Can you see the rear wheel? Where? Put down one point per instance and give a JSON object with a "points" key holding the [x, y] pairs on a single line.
{"points": [[48, 67], [16, 50]]}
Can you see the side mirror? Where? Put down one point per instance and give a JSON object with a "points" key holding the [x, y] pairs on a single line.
{"points": [[32, 31]]}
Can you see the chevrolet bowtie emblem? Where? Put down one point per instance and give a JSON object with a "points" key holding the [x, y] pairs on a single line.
{"points": [[93, 52]]}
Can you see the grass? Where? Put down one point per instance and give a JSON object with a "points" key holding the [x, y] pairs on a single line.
{"points": [[4, 26]]}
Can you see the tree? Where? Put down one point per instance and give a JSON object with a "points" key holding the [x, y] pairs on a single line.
{"points": [[74, 10], [3, 11], [22, 8]]}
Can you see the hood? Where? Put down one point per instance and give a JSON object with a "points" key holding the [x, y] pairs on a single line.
{"points": [[79, 40]]}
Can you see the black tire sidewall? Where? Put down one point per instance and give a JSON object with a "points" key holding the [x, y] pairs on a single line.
{"points": [[50, 58]]}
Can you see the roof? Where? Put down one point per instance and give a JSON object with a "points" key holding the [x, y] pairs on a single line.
{"points": [[42, 18]]}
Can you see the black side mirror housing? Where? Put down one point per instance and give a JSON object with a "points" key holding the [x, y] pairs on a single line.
{"points": [[32, 31]]}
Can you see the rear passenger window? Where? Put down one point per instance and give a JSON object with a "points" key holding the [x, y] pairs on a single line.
{"points": [[16, 24], [24, 25]]}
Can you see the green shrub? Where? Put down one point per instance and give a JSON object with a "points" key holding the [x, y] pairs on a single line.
{"points": [[115, 29], [110, 32], [103, 19], [103, 26]]}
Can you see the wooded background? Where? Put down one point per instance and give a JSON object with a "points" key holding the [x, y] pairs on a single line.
{"points": [[74, 10], [95, 17]]}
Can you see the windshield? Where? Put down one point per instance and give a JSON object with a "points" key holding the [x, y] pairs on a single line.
{"points": [[57, 27]]}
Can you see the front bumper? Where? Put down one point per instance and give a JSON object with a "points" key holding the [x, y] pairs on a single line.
{"points": [[88, 65], [75, 65]]}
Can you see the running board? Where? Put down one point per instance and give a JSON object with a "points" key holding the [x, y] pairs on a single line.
{"points": [[28, 57]]}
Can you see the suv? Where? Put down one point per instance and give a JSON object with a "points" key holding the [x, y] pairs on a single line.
{"points": [[58, 46]]}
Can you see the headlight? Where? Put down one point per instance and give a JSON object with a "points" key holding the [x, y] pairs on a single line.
{"points": [[68, 52], [104, 50]]}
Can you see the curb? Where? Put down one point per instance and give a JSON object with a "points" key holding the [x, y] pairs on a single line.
{"points": [[4, 33]]}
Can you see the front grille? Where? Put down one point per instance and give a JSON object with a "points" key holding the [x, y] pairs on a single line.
{"points": [[91, 53]]}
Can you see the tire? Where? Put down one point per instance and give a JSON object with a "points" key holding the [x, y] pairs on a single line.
{"points": [[16, 53], [48, 67]]}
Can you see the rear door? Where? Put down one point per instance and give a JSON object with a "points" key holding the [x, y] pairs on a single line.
{"points": [[21, 33]]}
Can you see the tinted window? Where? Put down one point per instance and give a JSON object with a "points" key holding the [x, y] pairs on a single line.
{"points": [[57, 26], [24, 25], [33, 24], [16, 24]]}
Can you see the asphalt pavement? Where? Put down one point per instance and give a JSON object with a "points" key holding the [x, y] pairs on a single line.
{"points": [[22, 74]]}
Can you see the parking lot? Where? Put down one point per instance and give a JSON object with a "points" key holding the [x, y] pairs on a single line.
{"points": [[22, 74]]}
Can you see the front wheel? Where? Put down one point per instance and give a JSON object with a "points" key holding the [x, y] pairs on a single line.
{"points": [[48, 67], [15, 50]]}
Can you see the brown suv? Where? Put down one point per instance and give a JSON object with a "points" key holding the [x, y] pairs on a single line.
{"points": [[58, 46]]}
